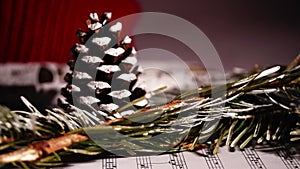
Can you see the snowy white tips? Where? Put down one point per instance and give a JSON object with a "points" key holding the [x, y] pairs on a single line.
{"points": [[108, 15], [127, 40], [98, 85], [116, 27], [109, 68], [91, 59], [130, 60], [88, 100], [102, 42], [81, 75], [127, 77], [115, 51], [81, 48], [109, 107], [120, 94], [94, 16]]}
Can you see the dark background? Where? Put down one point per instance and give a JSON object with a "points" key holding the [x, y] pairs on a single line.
{"points": [[44, 30], [245, 33]]}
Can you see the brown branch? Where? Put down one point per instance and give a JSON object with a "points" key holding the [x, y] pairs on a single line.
{"points": [[36, 150]]}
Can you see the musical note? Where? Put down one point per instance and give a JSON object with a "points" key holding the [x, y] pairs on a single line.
{"points": [[289, 161], [109, 163], [212, 161], [253, 159], [143, 162], [261, 158], [177, 161]]}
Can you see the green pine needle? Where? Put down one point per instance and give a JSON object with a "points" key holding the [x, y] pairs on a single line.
{"points": [[264, 106]]}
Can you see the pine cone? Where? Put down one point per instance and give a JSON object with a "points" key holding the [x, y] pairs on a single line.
{"points": [[103, 72]]}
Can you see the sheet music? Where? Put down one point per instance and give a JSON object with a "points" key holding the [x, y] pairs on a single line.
{"points": [[250, 158], [289, 161], [110, 162], [275, 158], [253, 158]]}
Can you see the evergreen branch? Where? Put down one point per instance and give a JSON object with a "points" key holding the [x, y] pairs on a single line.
{"points": [[262, 107]]}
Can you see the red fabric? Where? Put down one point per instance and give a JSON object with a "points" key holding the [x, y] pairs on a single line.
{"points": [[44, 30]]}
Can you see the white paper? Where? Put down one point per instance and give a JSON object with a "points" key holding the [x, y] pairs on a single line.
{"points": [[247, 159]]}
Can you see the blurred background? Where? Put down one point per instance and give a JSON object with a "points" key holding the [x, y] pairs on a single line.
{"points": [[36, 37], [244, 33]]}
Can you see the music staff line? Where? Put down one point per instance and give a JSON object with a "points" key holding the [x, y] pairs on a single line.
{"points": [[253, 159], [177, 160], [109, 162], [212, 161], [288, 160], [143, 162]]}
